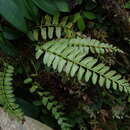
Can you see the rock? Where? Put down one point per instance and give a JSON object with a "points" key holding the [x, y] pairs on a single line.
{"points": [[6, 123]]}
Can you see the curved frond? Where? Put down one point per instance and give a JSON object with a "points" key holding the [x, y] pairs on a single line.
{"points": [[7, 98], [75, 63]]}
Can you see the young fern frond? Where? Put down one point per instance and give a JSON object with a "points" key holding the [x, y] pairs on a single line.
{"points": [[75, 63], [56, 109], [84, 45], [7, 98]]}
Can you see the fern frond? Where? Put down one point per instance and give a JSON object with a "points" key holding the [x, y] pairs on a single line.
{"points": [[55, 27], [6, 92], [84, 45], [56, 109], [75, 63], [52, 27]]}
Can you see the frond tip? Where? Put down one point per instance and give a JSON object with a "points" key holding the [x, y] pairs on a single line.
{"points": [[7, 98], [93, 46], [75, 63]]}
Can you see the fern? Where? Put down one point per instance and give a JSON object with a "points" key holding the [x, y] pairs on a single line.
{"points": [[56, 110], [86, 45], [52, 105], [75, 63], [55, 27], [7, 98]]}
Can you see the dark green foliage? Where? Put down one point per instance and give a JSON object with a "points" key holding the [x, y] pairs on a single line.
{"points": [[7, 47], [89, 15], [7, 98], [12, 14], [52, 7], [28, 9], [127, 5], [16, 10], [80, 21], [46, 6]]}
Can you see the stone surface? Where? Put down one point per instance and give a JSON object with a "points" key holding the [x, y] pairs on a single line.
{"points": [[6, 123]]}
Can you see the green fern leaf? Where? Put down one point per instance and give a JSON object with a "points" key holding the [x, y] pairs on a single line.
{"points": [[64, 20], [58, 32], [50, 32], [51, 27], [7, 98], [55, 20], [44, 33], [86, 45], [74, 62], [35, 34]]}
